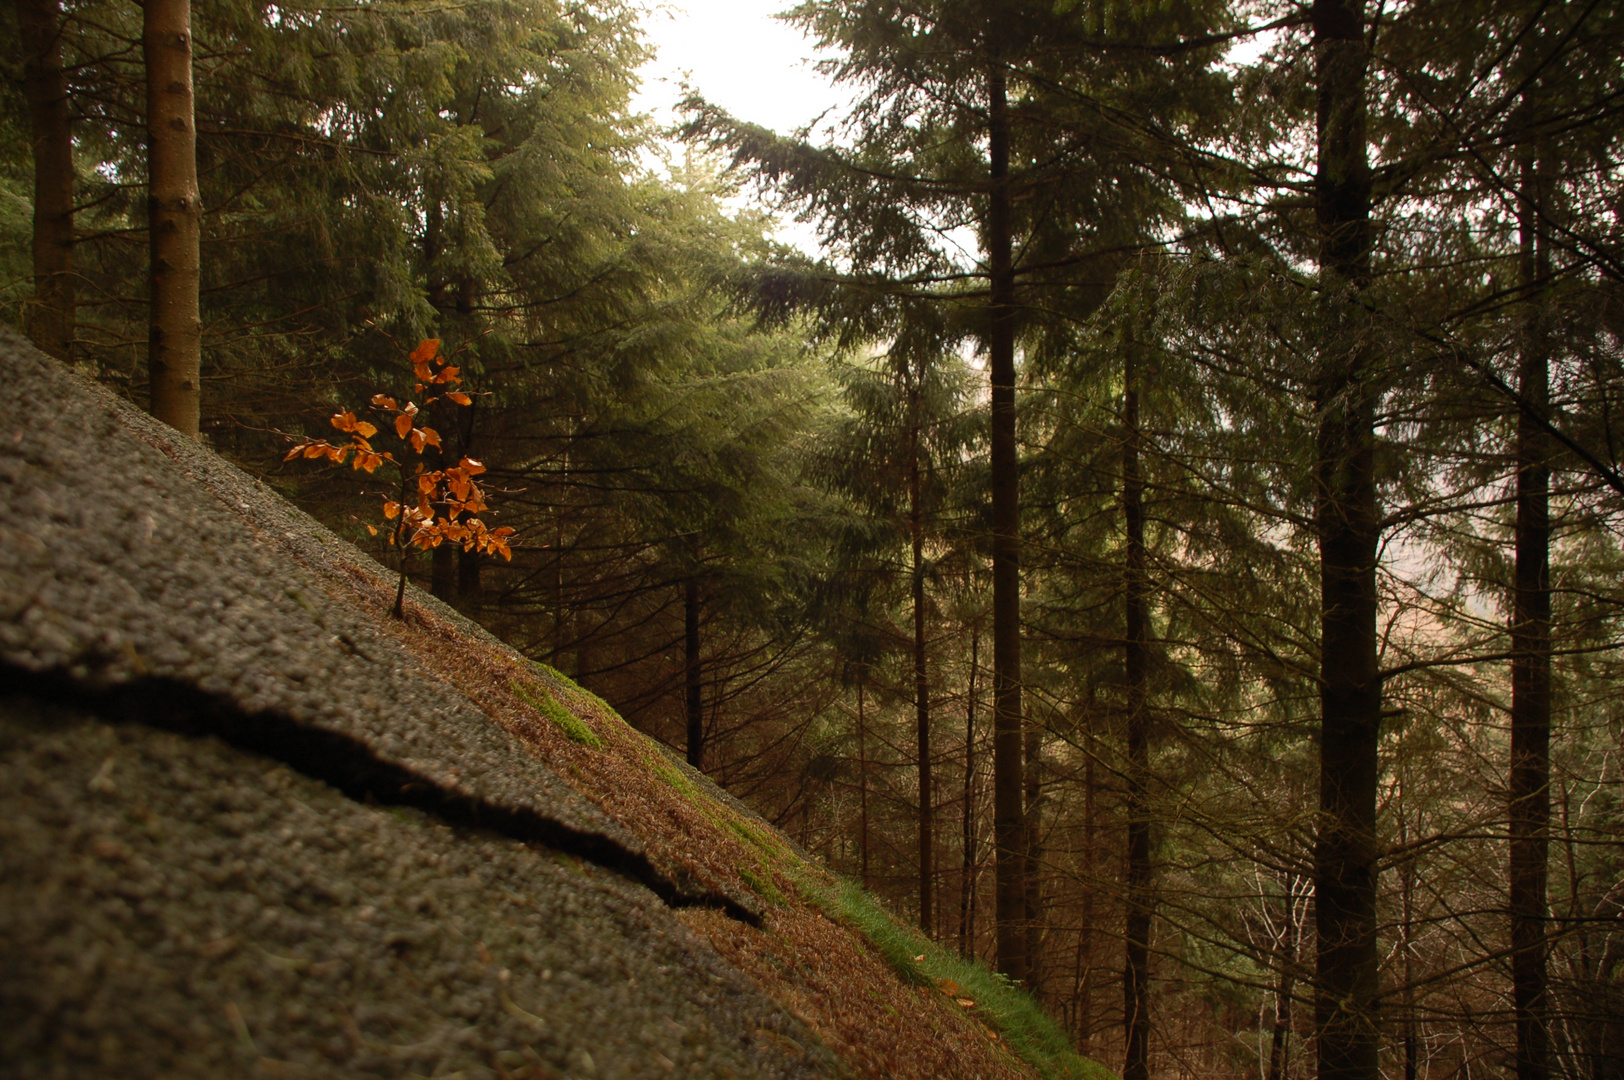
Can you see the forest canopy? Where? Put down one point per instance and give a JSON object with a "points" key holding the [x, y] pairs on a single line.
{"points": [[1167, 545]]}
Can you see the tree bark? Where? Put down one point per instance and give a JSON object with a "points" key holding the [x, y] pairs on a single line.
{"points": [[1530, 801], [175, 216], [1008, 814], [693, 673], [1032, 871], [1136, 963], [967, 872], [862, 771], [443, 572], [1345, 1001], [51, 316], [916, 534]]}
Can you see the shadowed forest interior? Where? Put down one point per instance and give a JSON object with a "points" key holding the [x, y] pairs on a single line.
{"points": [[1166, 545]]}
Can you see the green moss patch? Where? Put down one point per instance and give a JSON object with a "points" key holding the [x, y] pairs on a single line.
{"points": [[1030, 1032], [579, 695], [673, 776], [537, 697]]}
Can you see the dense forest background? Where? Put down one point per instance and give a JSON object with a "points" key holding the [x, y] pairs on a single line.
{"points": [[1169, 545]]}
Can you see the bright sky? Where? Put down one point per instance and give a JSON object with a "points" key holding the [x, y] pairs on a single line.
{"points": [[741, 58], [738, 56]]}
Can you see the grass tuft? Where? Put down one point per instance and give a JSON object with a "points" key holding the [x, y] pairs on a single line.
{"points": [[573, 726]]}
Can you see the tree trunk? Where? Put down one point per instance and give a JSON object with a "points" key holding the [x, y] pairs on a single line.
{"points": [[1085, 929], [468, 574], [693, 673], [862, 771], [1345, 1002], [1032, 872], [916, 532], [175, 216], [967, 873], [443, 572], [51, 315], [1279, 1048], [1136, 964], [1008, 815], [1530, 802]]}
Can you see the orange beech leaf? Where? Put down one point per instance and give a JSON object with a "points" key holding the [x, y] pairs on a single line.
{"points": [[505, 530], [418, 439], [428, 482], [391, 509], [948, 987], [368, 460], [460, 398], [431, 436], [382, 401], [426, 350], [410, 409], [470, 466], [450, 374], [315, 450], [968, 1003], [295, 452], [423, 373], [344, 421], [403, 424], [365, 430], [373, 529]]}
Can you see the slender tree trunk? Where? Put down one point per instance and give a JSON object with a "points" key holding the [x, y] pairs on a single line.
{"points": [[175, 216], [1085, 932], [1412, 1043], [1032, 873], [433, 228], [862, 770], [967, 930], [1530, 800], [1008, 815], [1279, 1061], [692, 672], [443, 572], [916, 533], [51, 316], [1345, 1003], [468, 574], [1136, 965]]}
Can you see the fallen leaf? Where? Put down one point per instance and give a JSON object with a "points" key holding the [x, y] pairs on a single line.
{"points": [[968, 1003], [948, 987]]}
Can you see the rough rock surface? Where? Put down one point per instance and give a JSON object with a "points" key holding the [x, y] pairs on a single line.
{"points": [[176, 901], [252, 826]]}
